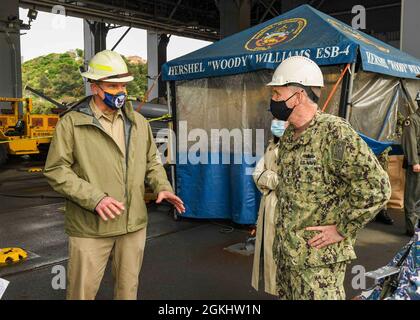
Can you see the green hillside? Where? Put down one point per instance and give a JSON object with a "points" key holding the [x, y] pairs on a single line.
{"points": [[57, 75]]}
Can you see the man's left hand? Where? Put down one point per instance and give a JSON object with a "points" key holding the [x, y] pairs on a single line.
{"points": [[173, 199], [328, 235]]}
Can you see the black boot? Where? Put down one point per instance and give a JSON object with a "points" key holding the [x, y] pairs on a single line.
{"points": [[409, 233], [384, 218], [412, 231]]}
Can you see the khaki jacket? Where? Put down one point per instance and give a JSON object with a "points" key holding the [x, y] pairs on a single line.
{"points": [[266, 180], [85, 164]]}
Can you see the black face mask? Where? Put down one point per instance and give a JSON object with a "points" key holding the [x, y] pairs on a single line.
{"points": [[279, 109]]}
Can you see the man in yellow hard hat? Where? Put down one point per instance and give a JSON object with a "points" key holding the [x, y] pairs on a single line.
{"points": [[100, 157]]}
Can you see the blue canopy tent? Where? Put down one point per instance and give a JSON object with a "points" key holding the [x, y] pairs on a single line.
{"points": [[222, 86], [302, 31]]}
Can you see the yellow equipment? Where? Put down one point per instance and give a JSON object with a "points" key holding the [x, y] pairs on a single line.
{"points": [[12, 255], [28, 133]]}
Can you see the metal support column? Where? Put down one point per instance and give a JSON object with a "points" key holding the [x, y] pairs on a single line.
{"points": [[235, 16], [94, 36], [10, 55], [156, 56], [162, 59]]}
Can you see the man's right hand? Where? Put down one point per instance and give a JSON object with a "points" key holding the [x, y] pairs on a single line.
{"points": [[416, 168], [108, 207]]}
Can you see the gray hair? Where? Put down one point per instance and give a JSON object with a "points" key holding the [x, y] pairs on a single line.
{"points": [[313, 93]]}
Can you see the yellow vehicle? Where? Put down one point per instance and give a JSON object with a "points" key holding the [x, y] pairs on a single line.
{"points": [[27, 134]]}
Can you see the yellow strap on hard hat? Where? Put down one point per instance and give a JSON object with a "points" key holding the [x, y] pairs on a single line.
{"points": [[100, 67]]}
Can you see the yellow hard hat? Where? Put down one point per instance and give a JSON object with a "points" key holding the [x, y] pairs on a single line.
{"points": [[107, 66]]}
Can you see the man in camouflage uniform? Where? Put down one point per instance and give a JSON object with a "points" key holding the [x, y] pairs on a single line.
{"points": [[411, 147], [330, 186]]}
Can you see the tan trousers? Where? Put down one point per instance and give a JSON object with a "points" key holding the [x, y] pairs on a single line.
{"points": [[88, 258]]}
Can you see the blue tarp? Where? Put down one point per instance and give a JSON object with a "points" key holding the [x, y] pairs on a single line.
{"points": [[218, 191], [380, 146], [302, 31]]}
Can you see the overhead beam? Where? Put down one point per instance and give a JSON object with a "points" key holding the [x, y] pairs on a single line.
{"points": [[410, 25], [268, 9], [141, 4], [379, 7], [319, 5], [121, 38], [174, 10], [198, 32]]}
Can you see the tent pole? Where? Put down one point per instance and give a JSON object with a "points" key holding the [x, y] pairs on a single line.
{"points": [[172, 147], [342, 109], [170, 124], [350, 91]]}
